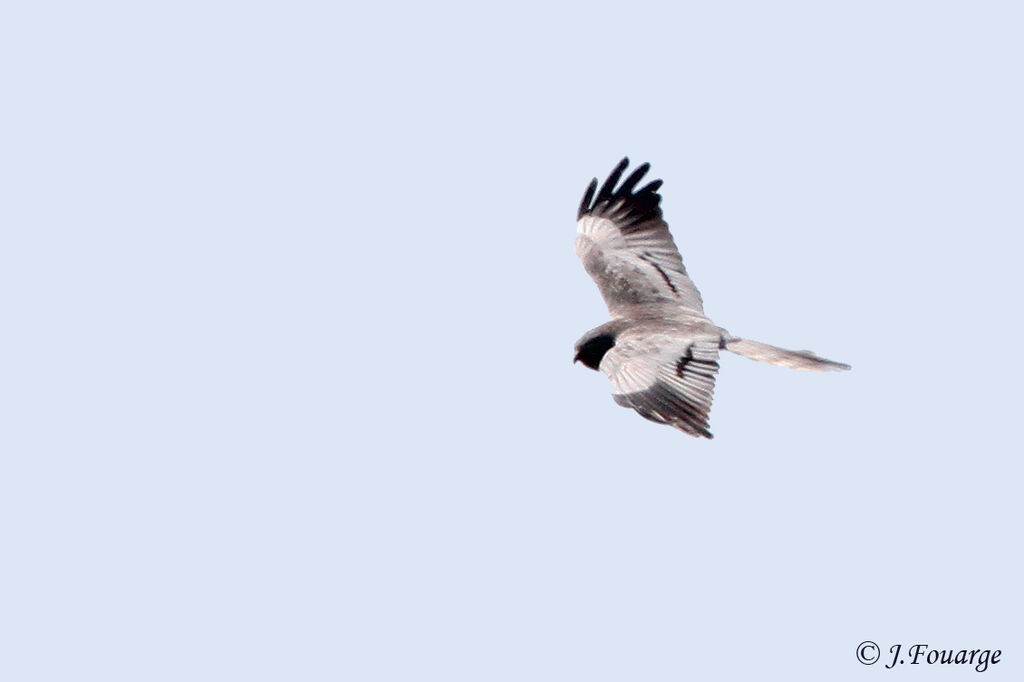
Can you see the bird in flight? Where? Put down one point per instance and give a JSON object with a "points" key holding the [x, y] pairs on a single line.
{"points": [[659, 350]]}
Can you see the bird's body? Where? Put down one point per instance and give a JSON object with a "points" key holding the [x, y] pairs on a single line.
{"points": [[659, 350]]}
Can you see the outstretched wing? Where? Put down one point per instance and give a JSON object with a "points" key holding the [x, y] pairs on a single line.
{"points": [[626, 247], [666, 379]]}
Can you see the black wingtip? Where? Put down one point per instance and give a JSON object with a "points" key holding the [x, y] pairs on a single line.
{"points": [[608, 188], [651, 187], [588, 196], [638, 173], [633, 207]]}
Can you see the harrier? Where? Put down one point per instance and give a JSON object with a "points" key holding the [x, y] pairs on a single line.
{"points": [[659, 350]]}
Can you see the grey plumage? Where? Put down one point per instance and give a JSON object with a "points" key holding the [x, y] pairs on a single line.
{"points": [[659, 350]]}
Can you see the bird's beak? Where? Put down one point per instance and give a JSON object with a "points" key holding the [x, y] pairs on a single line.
{"points": [[576, 358]]}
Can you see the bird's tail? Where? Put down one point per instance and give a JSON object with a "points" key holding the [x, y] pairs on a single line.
{"points": [[794, 359]]}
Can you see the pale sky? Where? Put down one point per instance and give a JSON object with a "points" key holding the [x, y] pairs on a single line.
{"points": [[290, 298]]}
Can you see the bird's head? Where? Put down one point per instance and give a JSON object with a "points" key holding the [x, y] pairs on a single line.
{"points": [[590, 350]]}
